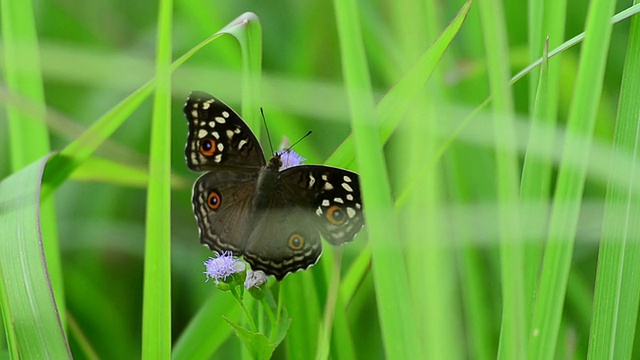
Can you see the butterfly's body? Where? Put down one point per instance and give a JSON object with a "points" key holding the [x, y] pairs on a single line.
{"points": [[253, 208]]}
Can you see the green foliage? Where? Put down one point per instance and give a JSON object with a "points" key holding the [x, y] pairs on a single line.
{"points": [[482, 226]]}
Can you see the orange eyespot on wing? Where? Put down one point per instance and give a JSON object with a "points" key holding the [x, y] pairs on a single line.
{"points": [[207, 147], [335, 215], [214, 200], [296, 242]]}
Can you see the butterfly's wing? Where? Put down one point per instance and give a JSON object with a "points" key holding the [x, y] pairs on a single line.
{"points": [[218, 136], [283, 239], [222, 206], [331, 194]]}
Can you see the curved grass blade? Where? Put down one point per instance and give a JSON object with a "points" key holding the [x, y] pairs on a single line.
{"points": [[31, 318], [23, 75], [73, 155]]}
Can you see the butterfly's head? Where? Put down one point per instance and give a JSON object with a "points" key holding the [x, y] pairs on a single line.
{"points": [[289, 158], [275, 162]]}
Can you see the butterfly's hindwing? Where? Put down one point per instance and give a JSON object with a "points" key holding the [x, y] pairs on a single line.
{"points": [[284, 240], [221, 201], [218, 136], [332, 194]]}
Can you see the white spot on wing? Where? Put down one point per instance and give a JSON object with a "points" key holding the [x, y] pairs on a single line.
{"points": [[212, 124], [312, 181], [325, 202], [351, 212], [215, 135], [194, 114], [338, 200], [229, 134], [319, 212], [220, 147], [220, 119], [242, 143], [346, 178], [347, 187], [349, 197], [202, 133], [225, 114], [217, 158], [324, 177], [327, 186]]}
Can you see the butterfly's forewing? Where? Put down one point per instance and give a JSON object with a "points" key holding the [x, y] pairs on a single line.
{"points": [[222, 204], [284, 240], [332, 195], [218, 137]]}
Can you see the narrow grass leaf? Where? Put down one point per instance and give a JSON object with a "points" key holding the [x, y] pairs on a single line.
{"points": [[617, 291], [31, 319], [536, 179], [513, 330], [566, 204], [156, 302]]}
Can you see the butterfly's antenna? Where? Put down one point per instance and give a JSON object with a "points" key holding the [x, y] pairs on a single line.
{"points": [[294, 144], [264, 120]]}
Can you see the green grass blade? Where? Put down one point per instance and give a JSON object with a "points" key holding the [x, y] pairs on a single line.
{"points": [[31, 319], [566, 205], [156, 306], [513, 330], [23, 76], [536, 180], [398, 327], [617, 291]]}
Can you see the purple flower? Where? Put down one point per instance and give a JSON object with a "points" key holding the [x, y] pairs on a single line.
{"points": [[290, 158], [222, 266], [255, 279]]}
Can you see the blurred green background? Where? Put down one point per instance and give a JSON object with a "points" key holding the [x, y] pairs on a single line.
{"points": [[94, 54]]}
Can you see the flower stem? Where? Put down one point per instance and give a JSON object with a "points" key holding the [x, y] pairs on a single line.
{"points": [[252, 324]]}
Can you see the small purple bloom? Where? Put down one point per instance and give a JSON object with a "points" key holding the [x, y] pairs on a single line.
{"points": [[222, 266], [290, 158], [255, 279]]}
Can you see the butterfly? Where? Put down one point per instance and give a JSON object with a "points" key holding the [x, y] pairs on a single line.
{"points": [[271, 215]]}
